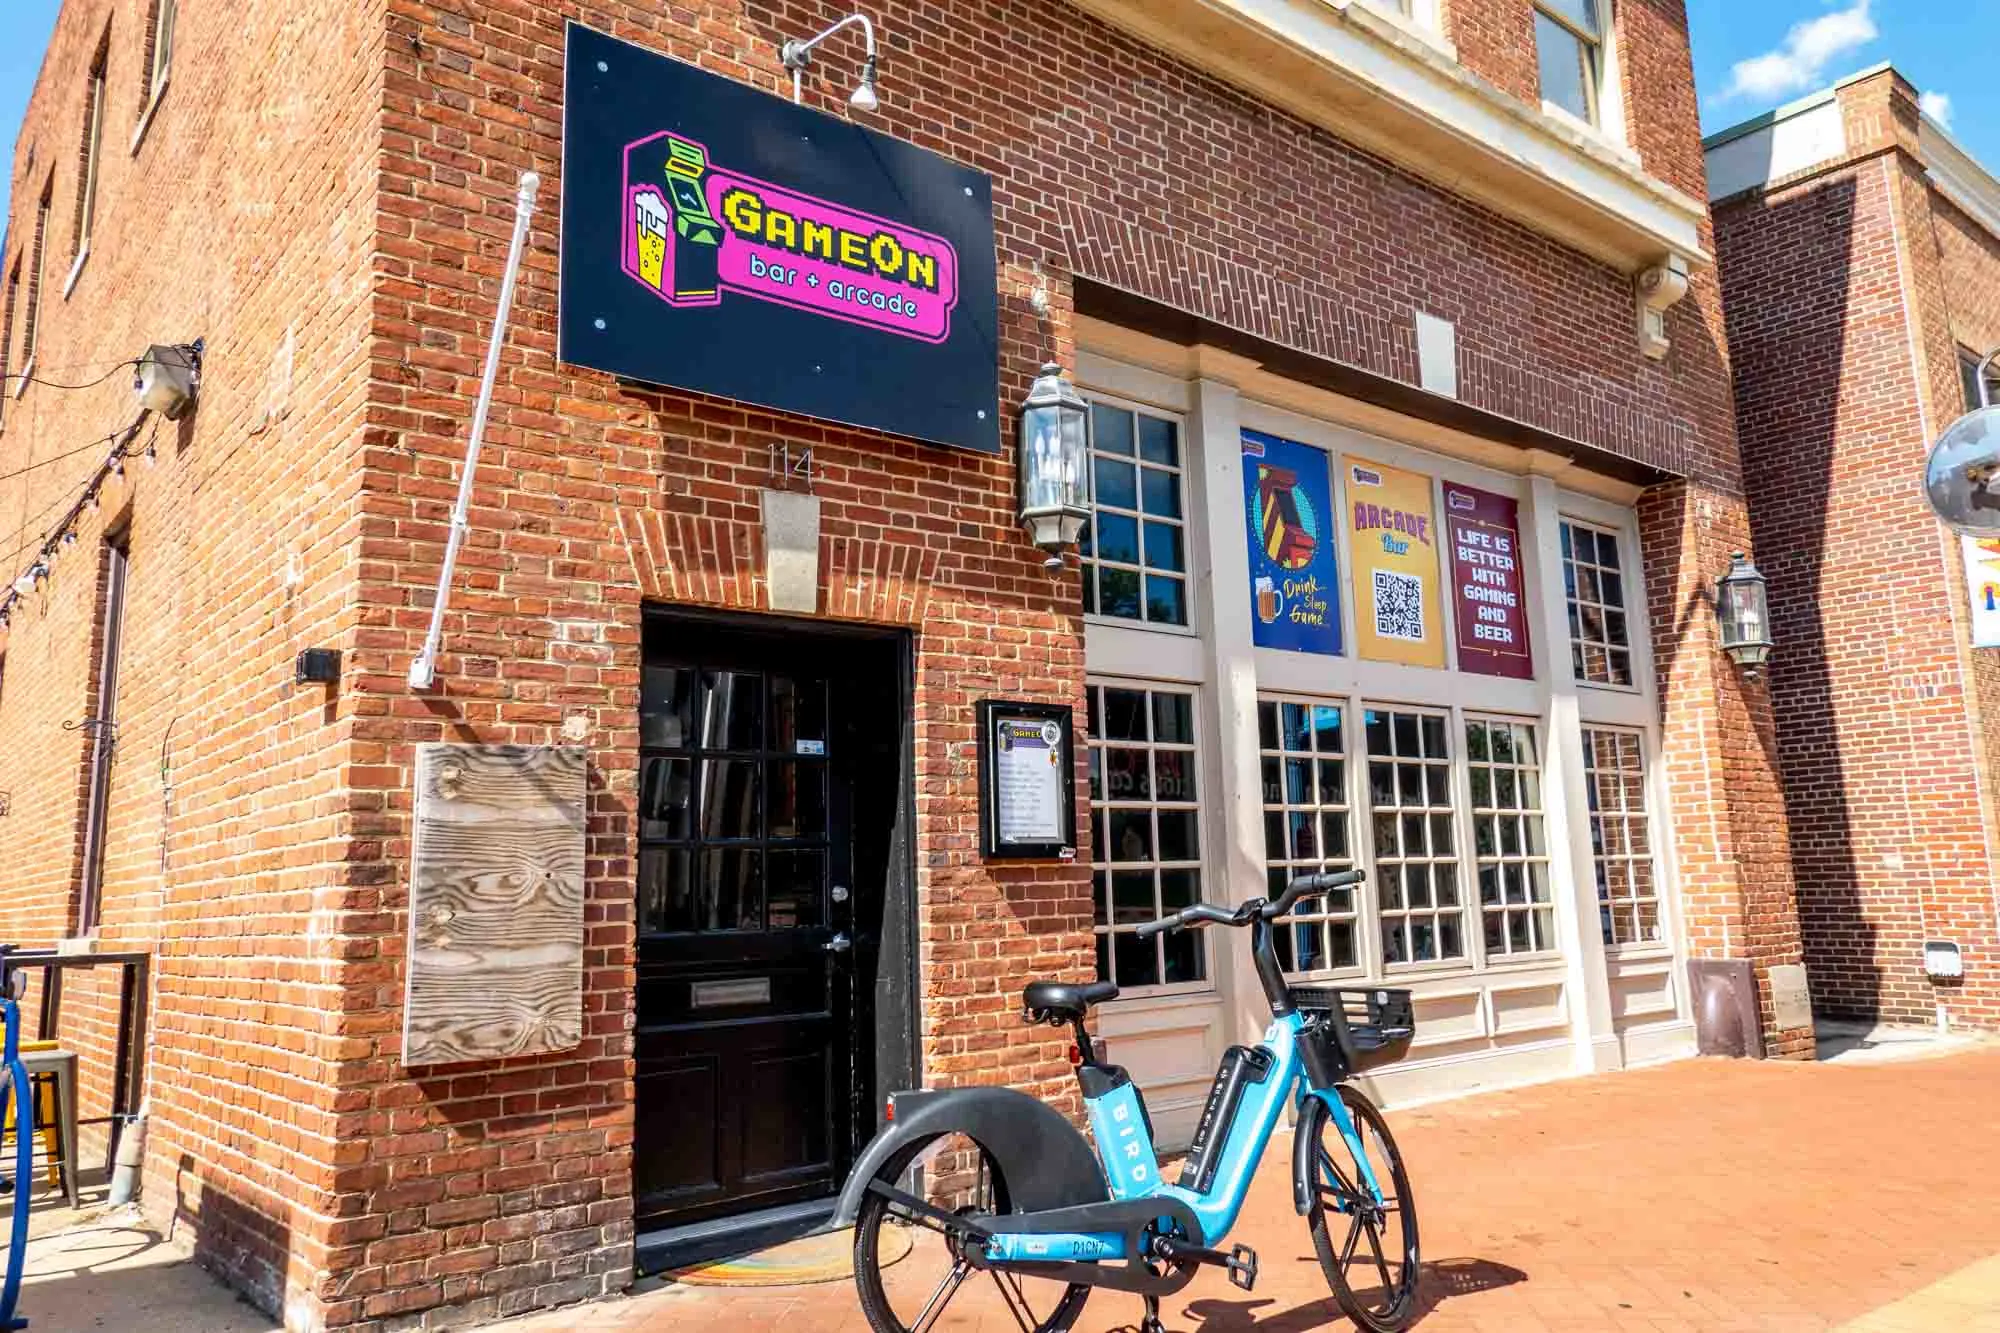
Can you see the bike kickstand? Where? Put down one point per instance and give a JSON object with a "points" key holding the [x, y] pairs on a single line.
{"points": [[1151, 1323]]}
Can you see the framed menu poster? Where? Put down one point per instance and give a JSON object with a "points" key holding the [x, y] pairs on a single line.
{"points": [[1027, 781]]}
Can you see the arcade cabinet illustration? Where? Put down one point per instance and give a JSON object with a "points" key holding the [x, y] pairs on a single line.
{"points": [[672, 240]]}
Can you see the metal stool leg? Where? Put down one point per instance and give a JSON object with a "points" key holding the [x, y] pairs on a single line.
{"points": [[66, 1126]]}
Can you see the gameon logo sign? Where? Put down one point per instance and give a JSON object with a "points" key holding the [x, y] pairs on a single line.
{"points": [[721, 240], [694, 230]]}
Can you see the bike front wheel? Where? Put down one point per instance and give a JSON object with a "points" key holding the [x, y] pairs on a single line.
{"points": [[1368, 1250], [910, 1268]]}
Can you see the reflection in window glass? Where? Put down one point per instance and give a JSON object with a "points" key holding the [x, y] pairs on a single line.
{"points": [[1600, 632], [1135, 549], [1614, 776], [1307, 830], [1509, 852], [1568, 45], [1145, 817], [1410, 825]]}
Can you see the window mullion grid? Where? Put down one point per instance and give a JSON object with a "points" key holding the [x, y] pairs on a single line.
{"points": [[1535, 906], [1410, 772], [1155, 864], [1320, 922]]}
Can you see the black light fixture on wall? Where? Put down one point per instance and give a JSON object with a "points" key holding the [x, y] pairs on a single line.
{"points": [[1743, 613]]}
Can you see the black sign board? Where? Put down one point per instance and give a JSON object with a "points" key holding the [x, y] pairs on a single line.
{"points": [[1027, 782], [717, 238]]}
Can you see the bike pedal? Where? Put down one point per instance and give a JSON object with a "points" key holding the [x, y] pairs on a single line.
{"points": [[1243, 1266]]}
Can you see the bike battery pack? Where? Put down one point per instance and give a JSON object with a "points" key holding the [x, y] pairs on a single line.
{"points": [[1241, 1067]]}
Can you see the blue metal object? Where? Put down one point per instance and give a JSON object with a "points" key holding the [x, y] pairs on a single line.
{"points": [[14, 1086], [1132, 1168]]}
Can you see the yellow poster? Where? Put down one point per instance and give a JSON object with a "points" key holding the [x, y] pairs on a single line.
{"points": [[1392, 533]]}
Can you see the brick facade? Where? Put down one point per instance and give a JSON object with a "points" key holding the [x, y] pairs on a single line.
{"points": [[325, 194], [1849, 288]]}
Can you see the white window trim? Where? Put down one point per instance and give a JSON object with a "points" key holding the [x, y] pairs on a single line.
{"points": [[153, 100], [75, 270], [1609, 129], [1665, 899]]}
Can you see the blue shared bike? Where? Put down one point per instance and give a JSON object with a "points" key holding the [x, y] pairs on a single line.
{"points": [[965, 1185]]}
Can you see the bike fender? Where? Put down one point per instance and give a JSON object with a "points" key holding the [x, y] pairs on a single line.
{"points": [[1044, 1161], [1303, 1144]]}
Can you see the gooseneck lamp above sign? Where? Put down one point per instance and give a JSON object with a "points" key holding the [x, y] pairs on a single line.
{"points": [[1054, 465], [797, 56], [1962, 477], [1743, 612]]}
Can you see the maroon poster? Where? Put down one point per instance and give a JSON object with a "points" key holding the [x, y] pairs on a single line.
{"points": [[1487, 585]]}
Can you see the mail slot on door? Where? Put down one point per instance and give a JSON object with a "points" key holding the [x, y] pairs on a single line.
{"points": [[730, 994]]}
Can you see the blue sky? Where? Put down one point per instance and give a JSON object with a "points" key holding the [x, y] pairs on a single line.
{"points": [[1749, 56]]}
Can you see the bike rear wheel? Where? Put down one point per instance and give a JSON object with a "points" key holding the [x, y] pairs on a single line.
{"points": [[910, 1293], [1367, 1250]]}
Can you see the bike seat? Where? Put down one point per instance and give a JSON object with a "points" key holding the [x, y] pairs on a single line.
{"points": [[1066, 999]]}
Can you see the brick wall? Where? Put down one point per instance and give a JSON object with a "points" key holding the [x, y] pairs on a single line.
{"points": [[244, 215], [367, 159], [1842, 332]]}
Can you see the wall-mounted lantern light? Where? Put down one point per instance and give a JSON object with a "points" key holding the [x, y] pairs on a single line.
{"points": [[1743, 612], [1055, 463]]}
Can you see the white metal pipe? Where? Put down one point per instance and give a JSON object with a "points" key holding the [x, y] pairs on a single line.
{"points": [[424, 670]]}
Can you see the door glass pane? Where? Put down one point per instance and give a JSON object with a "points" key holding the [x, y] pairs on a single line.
{"points": [[798, 713], [797, 799], [733, 715], [666, 706], [1124, 715], [795, 888], [666, 891], [729, 798], [727, 892], [666, 797]]}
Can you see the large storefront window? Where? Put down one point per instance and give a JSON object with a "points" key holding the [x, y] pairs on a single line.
{"points": [[1621, 848], [1135, 550], [1600, 637], [1145, 833], [1410, 818], [1306, 828], [1508, 849]]}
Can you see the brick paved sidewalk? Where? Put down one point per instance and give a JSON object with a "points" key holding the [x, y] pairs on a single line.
{"points": [[1717, 1195]]}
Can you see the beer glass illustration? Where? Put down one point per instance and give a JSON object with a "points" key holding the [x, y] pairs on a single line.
{"points": [[1269, 603], [650, 217]]}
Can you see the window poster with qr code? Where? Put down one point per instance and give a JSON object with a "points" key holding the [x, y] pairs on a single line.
{"points": [[1484, 530], [1393, 536], [1294, 567]]}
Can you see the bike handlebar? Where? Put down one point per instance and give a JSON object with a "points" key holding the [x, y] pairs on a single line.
{"points": [[1205, 914]]}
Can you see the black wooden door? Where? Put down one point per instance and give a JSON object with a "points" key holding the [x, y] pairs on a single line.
{"points": [[761, 866]]}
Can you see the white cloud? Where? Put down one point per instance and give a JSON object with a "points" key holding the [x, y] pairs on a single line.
{"points": [[1937, 106], [1801, 60]]}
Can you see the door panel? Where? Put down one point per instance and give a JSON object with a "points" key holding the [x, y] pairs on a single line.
{"points": [[759, 904]]}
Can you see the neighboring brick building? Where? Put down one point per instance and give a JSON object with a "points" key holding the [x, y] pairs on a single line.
{"points": [[1860, 256], [1374, 241]]}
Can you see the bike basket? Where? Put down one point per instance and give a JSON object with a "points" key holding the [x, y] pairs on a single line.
{"points": [[1352, 1030]]}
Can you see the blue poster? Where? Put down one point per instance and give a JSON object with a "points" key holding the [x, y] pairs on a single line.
{"points": [[1294, 574]]}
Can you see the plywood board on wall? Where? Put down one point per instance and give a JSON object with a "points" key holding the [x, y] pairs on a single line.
{"points": [[495, 964]]}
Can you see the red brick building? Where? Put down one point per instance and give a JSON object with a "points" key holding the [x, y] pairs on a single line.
{"points": [[1860, 256], [1434, 251]]}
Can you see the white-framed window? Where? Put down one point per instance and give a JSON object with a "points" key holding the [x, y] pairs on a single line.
{"points": [[93, 142], [1510, 853], [1135, 551], [1621, 847], [1600, 630], [1145, 822], [7, 335], [159, 47], [1569, 47], [1308, 828], [31, 321], [1410, 809]]}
